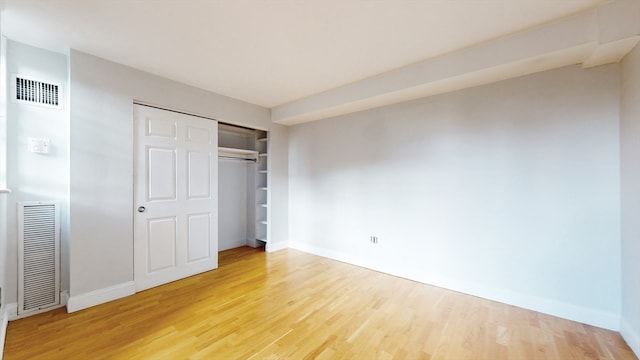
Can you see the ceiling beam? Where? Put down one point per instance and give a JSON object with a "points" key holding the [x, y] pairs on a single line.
{"points": [[592, 38]]}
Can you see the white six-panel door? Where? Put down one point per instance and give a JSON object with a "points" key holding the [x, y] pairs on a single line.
{"points": [[176, 174]]}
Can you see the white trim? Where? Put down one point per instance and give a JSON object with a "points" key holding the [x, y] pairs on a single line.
{"points": [[590, 316], [631, 337], [101, 296], [4, 321], [11, 310], [64, 297], [273, 247], [249, 242]]}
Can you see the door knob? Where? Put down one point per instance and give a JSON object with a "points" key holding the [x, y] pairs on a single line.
{"points": [[141, 209]]}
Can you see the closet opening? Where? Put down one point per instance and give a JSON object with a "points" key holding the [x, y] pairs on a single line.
{"points": [[243, 196]]}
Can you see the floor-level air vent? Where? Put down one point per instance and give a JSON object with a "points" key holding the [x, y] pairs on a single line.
{"points": [[34, 92], [38, 255]]}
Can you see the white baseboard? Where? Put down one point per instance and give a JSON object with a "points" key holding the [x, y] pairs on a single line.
{"points": [[101, 296], [252, 243], [631, 336], [11, 311], [4, 321], [64, 297], [552, 307], [273, 247]]}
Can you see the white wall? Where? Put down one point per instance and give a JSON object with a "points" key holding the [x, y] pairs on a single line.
{"points": [[33, 177], [101, 191], [236, 200], [508, 191], [278, 183], [3, 166], [3, 185], [233, 203], [630, 194]]}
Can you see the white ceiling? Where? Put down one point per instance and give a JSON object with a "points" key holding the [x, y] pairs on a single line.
{"points": [[273, 52]]}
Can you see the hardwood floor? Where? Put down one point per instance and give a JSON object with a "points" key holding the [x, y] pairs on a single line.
{"points": [[292, 305]]}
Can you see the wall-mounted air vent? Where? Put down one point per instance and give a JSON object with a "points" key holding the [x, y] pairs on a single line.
{"points": [[35, 92], [38, 256]]}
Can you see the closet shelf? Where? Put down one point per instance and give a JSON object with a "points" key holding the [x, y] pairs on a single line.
{"points": [[239, 153], [262, 182]]}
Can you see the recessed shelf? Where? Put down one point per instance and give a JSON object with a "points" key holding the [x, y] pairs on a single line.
{"points": [[262, 154]]}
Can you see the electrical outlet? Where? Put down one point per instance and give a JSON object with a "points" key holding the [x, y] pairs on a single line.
{"points": [[373, 239]]}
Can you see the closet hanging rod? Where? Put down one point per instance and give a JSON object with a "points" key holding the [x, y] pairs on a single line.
{"points": [[236, 158]]}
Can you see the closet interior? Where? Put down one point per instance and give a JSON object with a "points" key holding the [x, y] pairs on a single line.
{"points": [[243, 203]]}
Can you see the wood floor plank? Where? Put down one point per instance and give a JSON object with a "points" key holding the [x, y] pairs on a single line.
{"points": [[293, 305]]}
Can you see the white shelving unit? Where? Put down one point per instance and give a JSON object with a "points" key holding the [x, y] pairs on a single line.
{"points": [[262, 187]]}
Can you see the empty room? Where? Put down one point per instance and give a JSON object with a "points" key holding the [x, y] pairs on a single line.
{"points": [[337, 179]]}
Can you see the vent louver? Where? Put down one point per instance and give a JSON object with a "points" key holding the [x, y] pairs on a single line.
{"points": [[39, 256], [36, 92]]}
